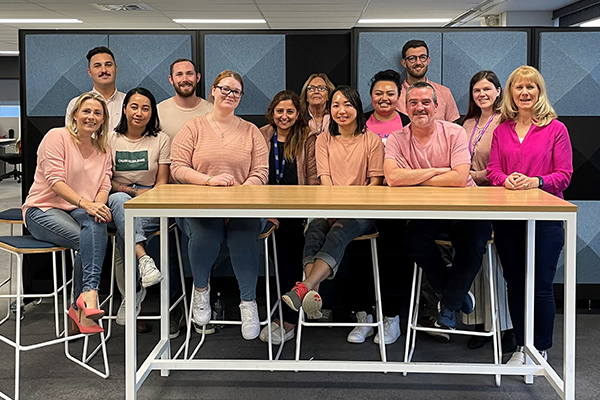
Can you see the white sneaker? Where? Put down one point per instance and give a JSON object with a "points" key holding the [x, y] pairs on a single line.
{"points": [[391, 330], [250, 321], [201, 307], [275, 334], [360, 333], [139, 297], [149, 274], [518, 357]]}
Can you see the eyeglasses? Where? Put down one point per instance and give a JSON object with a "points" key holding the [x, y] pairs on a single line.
{"points": [[317, 88], [225, 91], [413, 59]]}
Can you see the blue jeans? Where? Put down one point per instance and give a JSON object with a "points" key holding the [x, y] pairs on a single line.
{"points": [[241, 237], [469, 240], [328, 243], [144, 226], [75, 230], [509, 237]]}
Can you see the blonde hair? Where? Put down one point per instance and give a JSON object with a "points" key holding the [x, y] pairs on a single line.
{"points": [[100, 137], [226, 74], [328, 83], [543, 113]]}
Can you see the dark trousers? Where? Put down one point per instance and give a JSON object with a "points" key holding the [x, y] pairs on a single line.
{"points": [[510, 239], [469, 240]]}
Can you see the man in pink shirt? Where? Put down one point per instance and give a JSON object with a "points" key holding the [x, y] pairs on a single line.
{"points": [[429, 152], [415, 58]]}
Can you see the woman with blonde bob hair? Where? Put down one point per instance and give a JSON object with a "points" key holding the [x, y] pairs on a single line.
{"points": [[66, 204], [530, 149]]}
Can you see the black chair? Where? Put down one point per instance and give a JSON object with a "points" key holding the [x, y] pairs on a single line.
{"points": [[13, 159]]}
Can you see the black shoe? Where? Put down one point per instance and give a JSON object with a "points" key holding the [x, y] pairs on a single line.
{"points": [[509, 342], [477, 342]]}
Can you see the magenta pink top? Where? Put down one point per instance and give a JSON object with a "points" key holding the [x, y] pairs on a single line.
{"points": [[546, 151], [59, 160]]}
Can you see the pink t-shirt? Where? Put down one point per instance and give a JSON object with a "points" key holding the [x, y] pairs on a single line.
{"points": [[350, 161], [383, 129], [447, 147], [546, 151], [446, 110], [59, 160]]}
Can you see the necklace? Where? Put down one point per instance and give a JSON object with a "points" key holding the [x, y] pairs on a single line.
{"points": [[219, 128]]}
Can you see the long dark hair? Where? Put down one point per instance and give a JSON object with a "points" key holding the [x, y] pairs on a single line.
{"points": [[298, 132], [474, 111], [153, 125], [354, 98]]}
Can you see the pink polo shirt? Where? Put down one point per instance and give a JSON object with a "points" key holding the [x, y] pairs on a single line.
{"points": [[447, 147], [546, 151], [446, 110]]}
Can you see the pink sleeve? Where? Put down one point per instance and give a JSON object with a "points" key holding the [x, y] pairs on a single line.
{"points": [[52, 155], [164, 156], [376, 156], [562, 159], [105, 184], [182, 153], [259, 167], [392, 146], [495, 175], [460, 150], [451, 113], [322, 154]]}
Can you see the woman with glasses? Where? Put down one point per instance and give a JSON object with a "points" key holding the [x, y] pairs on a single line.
{"points": [[314, 97], [221, 149], [291, 162], [530, 149], [349, 154]]}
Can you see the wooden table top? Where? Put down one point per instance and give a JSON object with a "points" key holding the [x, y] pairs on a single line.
{"points": [[349, 198]]}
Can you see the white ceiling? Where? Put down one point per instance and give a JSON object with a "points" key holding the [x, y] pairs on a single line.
{"points": [[279, 14]]}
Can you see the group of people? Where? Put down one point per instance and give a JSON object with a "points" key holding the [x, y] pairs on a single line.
{"points": [[116, 146]]}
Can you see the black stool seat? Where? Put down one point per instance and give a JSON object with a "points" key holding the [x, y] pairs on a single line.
{"points": [[27, 245], [11, 216]]}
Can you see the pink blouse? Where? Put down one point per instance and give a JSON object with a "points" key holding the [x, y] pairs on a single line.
{"points": [[546, 151]]}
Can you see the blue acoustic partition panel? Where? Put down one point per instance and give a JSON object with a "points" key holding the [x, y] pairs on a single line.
{"points": [[259, 59], [570, 64], [588, 244], [379, 51], [144, 60], [466, 53], [56, 71]]}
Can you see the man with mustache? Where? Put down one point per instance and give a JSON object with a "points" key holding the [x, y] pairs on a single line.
{"points": [[430, 152], [103, 71], [415, 58], [175, 111]]}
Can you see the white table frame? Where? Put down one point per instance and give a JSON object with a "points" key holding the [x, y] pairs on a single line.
{"points": [[160, 357]]}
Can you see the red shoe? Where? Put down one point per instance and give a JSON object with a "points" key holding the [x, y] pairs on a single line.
{"points": [[90, 313], [294, 297], [84, 329]]}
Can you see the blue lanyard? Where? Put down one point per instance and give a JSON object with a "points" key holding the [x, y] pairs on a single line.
{"points": [[278, 165]]}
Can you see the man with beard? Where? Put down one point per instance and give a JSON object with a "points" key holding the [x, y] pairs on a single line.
{"points": [[175, 111], [415, 58], [103, 71], [429, 152]]}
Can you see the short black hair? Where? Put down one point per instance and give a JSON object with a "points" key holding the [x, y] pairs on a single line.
{"points": [[354, 98], [99, 50], [413, 44], [153, 125], [387, 75], [182, 60]]}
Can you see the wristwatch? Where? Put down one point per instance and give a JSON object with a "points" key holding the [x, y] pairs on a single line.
{"points": [[541, 181]]}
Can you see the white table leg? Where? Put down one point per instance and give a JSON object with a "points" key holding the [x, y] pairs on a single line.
{"points": [[529, 291], [165, 298], [130, 324], [570, 309]]}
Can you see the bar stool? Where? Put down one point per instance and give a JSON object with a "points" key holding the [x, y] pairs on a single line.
{"points": [[14, 217], [489, 270], [268, 231], [23, 245], [110, 298], [372, 236]]}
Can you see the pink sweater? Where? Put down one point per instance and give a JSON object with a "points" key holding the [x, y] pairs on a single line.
{"points": [[59, 160], [198, 147], [546, 151]]}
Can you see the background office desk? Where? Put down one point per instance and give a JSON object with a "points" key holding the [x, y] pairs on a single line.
{"points": [[483, 203]]}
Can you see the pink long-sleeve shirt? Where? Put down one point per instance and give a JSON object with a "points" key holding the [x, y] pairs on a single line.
{"points": [[546, 151], [199, 148], [59, 160]]}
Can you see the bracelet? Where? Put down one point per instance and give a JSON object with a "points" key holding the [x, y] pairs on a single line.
{"points": [[79, 202], [207, 182]]}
